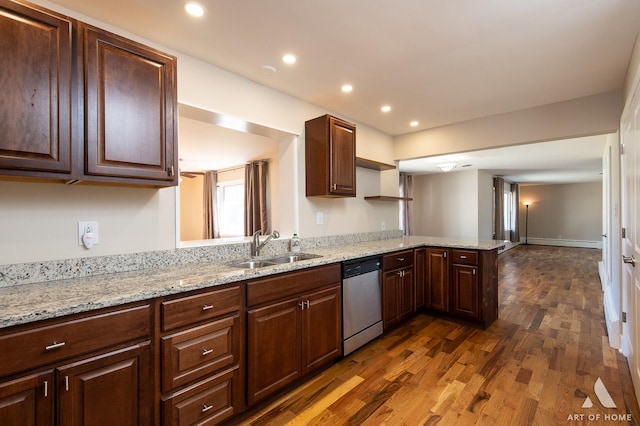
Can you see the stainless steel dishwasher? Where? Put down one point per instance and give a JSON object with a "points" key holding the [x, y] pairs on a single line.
{"points": [[361, 302]]}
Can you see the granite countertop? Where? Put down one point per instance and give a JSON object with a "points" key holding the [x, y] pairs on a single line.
{"points": [[26, 303]]}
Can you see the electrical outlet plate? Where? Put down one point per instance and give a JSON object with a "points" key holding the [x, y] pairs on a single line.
{"points": [[84, 227]]}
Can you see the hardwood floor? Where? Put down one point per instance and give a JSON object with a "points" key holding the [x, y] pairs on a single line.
{"points": [[536, 365]]}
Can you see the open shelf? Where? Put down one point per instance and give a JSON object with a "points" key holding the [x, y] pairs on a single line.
{"points": [[387, 198], [373, 165]]}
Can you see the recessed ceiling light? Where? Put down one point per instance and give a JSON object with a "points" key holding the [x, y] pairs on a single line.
{"points": [[289, 59], [195, 9], [347, 88], [414, 123], [385, 108]]}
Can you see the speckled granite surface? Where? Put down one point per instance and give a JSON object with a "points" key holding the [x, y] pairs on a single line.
{"points": [[25, 303]]}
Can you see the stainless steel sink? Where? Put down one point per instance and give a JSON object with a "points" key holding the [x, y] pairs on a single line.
{"points": [[277, 260], [252, 264], [290, 258]]}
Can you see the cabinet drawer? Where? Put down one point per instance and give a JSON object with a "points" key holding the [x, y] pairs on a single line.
{"points": [[200, 307], [399, 259], [208, 402], [465, 257], [291, 284], [196, 352], [51, 343]]}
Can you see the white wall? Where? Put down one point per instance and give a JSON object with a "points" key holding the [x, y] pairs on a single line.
{"points": [[591, 115], [446, 204], [39, 221], [485, 205], [563, 211]]}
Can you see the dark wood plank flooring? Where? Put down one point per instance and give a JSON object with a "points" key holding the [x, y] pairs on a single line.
{"points": [[536, 365]]}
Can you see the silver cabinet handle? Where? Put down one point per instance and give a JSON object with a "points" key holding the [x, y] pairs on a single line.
{"points": [[207, 307], [301, 304], [206, 352], [463, 256], [308, 304], [401, 259], [334, 187], [474, 271], [46, 388], [66, 383], [54, 345], [206, 407], [629, 259]]}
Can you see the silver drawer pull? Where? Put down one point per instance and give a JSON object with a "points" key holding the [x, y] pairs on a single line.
{"points": [[463, 256], [66, 383], [401, 259], [206, 352], [54, 345], [206, 407], [46, 389], [207, 307]]}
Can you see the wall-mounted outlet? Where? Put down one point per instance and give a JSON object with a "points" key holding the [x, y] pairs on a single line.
{"points": [[383, 225], [319, 218], [87, 227]]}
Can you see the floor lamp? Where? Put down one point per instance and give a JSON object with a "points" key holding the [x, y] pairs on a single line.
{"points": [[526, 223]]}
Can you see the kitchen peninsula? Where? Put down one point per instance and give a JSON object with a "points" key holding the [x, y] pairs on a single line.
{"points": [[190, 339]]}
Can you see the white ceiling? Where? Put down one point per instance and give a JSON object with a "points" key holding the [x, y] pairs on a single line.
{"points": [[437, 62], [567, 161]]}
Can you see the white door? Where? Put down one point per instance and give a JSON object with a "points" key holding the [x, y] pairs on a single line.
{"points": [[605, 273], [631, 241]]}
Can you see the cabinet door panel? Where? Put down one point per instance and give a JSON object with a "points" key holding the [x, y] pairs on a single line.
{"points": [[343, 157], [273, 348], [437, 283], [129, 110], [27, 401], [109, 389], [321, 328], [465, 291], [420, 269], [390, 294], [36, 87], [406, 293]]}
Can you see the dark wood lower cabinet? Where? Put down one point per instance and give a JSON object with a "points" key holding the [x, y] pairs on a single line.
{"points": [[437, 279], [465, 300], [28, 401], [291, 338], [273, 348], [462, 283], [110, 389]]}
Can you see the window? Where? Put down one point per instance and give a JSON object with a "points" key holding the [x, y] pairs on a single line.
{"points": [[230, 205]]}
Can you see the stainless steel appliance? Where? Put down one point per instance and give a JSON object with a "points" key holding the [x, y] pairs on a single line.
{"points": [[361, 302]]}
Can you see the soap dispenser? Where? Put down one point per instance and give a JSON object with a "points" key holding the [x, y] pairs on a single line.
{"points": [[295, 243]]}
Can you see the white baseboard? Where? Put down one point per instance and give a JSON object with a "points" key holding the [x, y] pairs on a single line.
{"points": [[508, 246], [612, 319], [562, 242]]}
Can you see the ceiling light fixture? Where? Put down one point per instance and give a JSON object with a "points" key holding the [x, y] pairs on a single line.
{"points": [[289, 59], [446, 167], [347, 88], [414, 123], [194, 9], [385, 108]]}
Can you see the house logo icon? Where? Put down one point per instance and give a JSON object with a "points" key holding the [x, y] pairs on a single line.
{"points": [[602, 394]]}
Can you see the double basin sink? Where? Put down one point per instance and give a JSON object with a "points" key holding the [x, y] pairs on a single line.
{"points": [[276, 260]]}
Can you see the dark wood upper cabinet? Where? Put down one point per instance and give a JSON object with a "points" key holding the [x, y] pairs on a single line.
{"points": [[36, 82], [82, 104], [330, 157], [130, 108]]}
